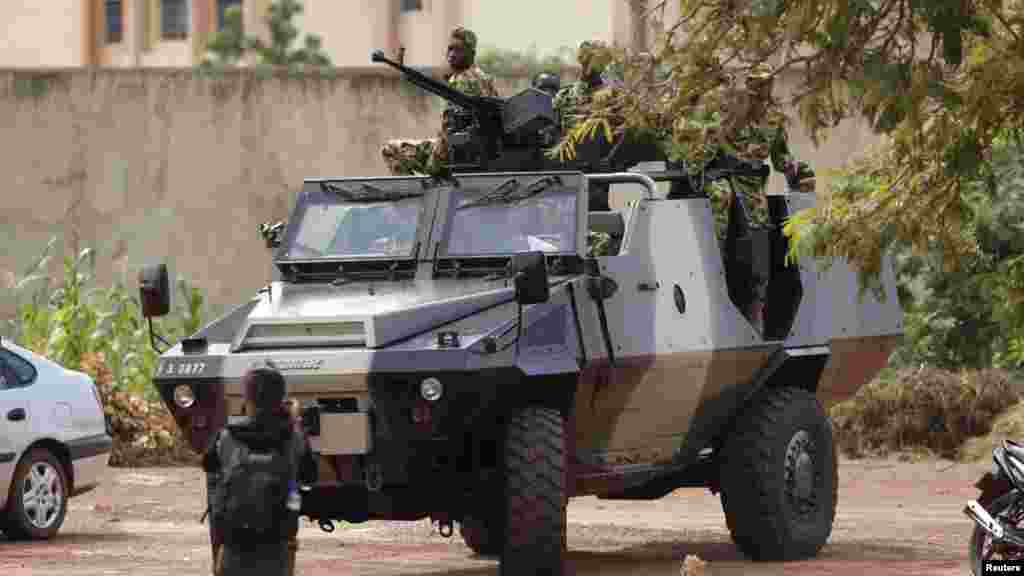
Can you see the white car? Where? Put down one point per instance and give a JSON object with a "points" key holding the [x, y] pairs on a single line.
{"points": [[54, 441]]}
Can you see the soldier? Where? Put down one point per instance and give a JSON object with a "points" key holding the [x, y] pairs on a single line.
{"points": [[405, 157], [466, 76], [761, 137], [593, 57], [254, 503]]}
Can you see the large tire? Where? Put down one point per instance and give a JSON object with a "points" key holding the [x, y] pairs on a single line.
{"points": [[38, 500], [535, 493], [779, 477]]}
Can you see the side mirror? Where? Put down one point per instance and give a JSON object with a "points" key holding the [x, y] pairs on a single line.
{"points": [[154, 291], [530, 271]]}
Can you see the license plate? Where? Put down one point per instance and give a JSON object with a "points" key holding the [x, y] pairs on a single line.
{"points": [[344, 434]]}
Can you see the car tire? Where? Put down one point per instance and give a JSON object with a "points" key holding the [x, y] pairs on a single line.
{"points": [[39, 515], [779, 477], [535, 493]]}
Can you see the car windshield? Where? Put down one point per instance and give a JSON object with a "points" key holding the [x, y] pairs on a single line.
{"points": [[512, 218], [382, 229]]}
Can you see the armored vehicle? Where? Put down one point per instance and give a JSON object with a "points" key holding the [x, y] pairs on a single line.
{"points": [[461, 356]]}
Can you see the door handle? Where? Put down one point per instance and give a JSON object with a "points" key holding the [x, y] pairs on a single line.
{"points": [[16, 415]]}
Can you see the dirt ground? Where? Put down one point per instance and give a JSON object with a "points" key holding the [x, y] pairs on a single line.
{"points": [[894, 518]]}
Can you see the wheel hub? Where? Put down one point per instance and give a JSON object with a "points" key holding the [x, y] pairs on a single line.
{"points": [[41, 495], [801, 475]]}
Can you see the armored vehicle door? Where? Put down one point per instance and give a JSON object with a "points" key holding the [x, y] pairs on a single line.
{"points": [[669, 341]]}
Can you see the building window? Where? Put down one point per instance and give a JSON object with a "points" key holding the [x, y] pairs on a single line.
{"points": [[112, 17], [410, 5], [174, 22], [222, 8]]}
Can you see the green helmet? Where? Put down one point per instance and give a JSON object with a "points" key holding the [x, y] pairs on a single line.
{"points": [[468, 39], [593, 56]]}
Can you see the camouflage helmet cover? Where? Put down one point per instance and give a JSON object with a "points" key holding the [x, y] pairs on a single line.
{"points": [[467, 37], [593, 55]]}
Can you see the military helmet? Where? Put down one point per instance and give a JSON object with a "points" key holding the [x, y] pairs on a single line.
{"points": [[468, 39], [548, 82], [593, 55]]}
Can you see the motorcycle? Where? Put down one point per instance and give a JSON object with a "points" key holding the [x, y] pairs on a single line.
{"points": [[999, 511]]}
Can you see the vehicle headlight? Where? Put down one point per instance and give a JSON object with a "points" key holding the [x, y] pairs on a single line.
{"points": [[431, 389], [183, 396]]}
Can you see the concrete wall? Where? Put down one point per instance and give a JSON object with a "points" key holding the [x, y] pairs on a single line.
{"points": [[161, 164], [38, 34]]}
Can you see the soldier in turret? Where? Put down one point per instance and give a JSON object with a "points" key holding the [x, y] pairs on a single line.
{"points": [[760, 136], [405, 157], [466, 76], [593, 57]]}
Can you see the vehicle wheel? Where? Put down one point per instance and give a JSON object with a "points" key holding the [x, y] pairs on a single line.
{"points": [[779, 477], [38, 499], [535, 493], [482, 535], [981, 546]]}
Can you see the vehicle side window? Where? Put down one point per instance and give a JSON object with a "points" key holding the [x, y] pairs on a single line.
{"points": [[16, 367]]}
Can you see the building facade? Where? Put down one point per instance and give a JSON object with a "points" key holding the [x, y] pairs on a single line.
{"points": [[173, 33]]}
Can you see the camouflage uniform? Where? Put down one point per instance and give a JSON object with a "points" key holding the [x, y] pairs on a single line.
{"points": [[427, 157], [602, 244], [593, 58], [764, 140]]}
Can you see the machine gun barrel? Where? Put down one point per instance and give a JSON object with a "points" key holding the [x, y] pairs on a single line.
{"points": [[427, 83]]}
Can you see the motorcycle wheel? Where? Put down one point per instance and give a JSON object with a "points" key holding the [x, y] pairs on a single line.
{"points": [[980, 547]]}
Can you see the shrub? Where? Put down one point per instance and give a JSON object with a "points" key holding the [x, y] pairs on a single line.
{"points": [[101, 331], [923, 409]]}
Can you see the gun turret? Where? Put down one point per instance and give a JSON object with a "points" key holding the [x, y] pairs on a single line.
{"points": [[512, 133], [478, 104], [498, 133]]}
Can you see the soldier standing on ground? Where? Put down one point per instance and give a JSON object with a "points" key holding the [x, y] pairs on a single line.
{"points": [[253, 469], [406, 157]]}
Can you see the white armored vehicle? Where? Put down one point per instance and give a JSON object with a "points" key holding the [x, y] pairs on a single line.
{"points": [[460, 355]]}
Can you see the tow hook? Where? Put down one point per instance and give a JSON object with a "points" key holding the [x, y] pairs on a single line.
{"points": [[327, 526], [445, 528]]}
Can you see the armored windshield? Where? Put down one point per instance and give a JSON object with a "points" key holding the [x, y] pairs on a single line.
{"points": [[521, 214], [345, 222]]}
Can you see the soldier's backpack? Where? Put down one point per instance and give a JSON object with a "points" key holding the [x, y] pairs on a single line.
{"points": [[251, 492]]}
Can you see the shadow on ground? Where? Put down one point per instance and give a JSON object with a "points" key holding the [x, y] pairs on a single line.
{"points": [[666, 557]]}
